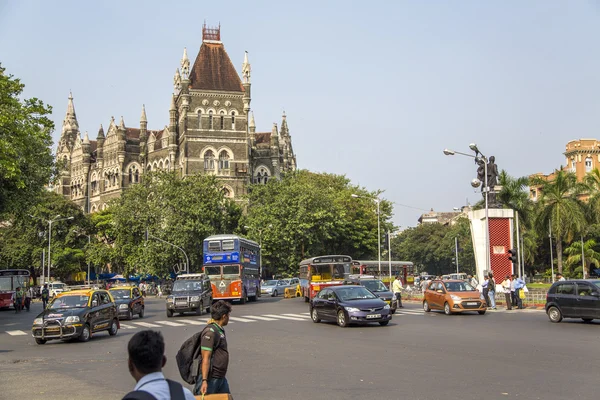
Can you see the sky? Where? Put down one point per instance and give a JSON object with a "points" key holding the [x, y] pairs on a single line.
{"points": [[372, 90]]}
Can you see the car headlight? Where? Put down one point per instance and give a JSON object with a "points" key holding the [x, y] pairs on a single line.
{"points": [[169, 299], [123, 306], [352, 309], [38, 321], [195, 298], [386, 307], [456, 298], [72, 319]]}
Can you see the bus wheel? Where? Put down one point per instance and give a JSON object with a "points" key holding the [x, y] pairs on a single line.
{"points": [[244, 298]]}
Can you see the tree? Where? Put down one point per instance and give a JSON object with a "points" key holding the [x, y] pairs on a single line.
{"points": [[26, 161], [560, 208], [514, 195], [592, 181], [590, 255]]}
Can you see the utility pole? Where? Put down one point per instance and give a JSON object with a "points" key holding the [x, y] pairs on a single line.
{"points": [[456, 251]]}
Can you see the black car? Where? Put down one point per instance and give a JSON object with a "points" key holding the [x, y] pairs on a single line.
{"points": [[129, 301], [349, 304], [191, 292], [574, 299], [76, 314]]}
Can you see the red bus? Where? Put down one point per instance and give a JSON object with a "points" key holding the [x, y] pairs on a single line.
{"points": [[319, 272], [10, 280], [403, 268]]}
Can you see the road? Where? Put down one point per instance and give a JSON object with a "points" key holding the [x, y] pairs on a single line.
{"points": [[277, 352]]}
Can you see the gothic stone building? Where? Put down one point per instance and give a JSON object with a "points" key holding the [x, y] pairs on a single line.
{"points": [[211, 130]]}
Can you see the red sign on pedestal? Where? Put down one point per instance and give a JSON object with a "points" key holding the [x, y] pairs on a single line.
{"points": [[500, 243]]}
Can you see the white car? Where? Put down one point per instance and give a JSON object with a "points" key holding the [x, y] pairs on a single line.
{"points": [[55, 288]]}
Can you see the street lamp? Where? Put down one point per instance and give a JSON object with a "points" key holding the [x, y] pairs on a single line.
{"points": [[475, 183], [187, 260], [376, 200], [50, 222]]}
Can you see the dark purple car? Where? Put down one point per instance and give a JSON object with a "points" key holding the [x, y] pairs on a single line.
{"points": [[349, 305]]}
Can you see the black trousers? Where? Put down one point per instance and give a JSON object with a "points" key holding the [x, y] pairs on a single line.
{"points": [[508, 300], [486, 297], [398, 299], [513, 298], [44, 303]]}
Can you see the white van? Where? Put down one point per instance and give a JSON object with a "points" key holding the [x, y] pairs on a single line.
{"points": [[55, 288]]}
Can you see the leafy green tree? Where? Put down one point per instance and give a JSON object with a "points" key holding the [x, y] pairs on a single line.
{"points": [[514, 195], [591, 256], [26, 162], [592, 181], [560, 207]]}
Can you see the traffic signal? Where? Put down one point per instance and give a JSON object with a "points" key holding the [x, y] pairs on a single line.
{"points": [[513, 256], [453, 261], [386, 241]]}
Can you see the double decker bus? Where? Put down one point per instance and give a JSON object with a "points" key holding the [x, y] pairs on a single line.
{"points": [[319, 272], [10, 280], [404, 269], [232, 264]]}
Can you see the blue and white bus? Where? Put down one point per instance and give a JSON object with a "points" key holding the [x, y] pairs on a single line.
{"points": [[233, 265]]}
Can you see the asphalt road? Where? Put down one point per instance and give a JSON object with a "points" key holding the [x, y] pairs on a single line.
{"points": [[277, 352]]}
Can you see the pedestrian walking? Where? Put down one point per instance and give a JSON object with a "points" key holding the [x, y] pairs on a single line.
{"points": [[519, 285], [560, 277], [492, 290], [146, 359], [506, 285], [215, 357], [143, 288], [513, 296], [19, 294], [27, 299], [159, 291], [397, 289], [45, 296], [484, 290]]}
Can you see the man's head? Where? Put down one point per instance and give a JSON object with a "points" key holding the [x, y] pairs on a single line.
{"points": [[45, 286], [220, 311], [491, 274], [397, 277], [559, 275], [469, 276], [513, 276], [146, 353]]}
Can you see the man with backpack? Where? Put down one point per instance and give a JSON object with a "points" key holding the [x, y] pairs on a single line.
{"points": [[19, 296], [146, 359], [45, 296]]}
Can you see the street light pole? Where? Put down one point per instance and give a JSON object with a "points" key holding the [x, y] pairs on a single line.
{"points": [[187, 260], [456, 252]]}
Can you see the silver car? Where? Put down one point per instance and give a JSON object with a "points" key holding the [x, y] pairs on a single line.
{"points": [[274, 287]]}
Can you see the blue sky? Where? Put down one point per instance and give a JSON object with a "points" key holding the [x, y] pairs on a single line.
{"points": [[372, 90]]}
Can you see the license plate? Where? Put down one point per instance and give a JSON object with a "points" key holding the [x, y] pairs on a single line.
{"points": [[316, 288], [373, 316], [179, 303], [388, 301], [472, 303]]}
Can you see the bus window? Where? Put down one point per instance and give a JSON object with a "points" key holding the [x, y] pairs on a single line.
{"points": [[231, 269], [214, 245], [212, 270], [228, 245]]}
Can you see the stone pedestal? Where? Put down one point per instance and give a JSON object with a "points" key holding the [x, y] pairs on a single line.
{"points": [[501, 240]]}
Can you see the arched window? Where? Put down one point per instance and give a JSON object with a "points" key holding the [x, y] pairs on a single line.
{"points": [[233, 120], [210, 120], [588, 164], [199, 119], [166, 165], [134, 175], [209, 160], [130, 174], [224, 160], [226, 192], [222, 119], [149, 168]]}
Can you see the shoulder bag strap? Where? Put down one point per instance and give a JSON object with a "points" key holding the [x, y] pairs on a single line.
{"points": [[139, 395], [176, 390]]}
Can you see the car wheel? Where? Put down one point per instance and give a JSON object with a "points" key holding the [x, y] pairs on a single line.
{"points": [[130, 315], [481, 312], [114, 327], [384, 323], [426, 307], [554, 314], [141, 314], [169, 313], [200, 309], [447, 309], [587, 319], [315, 316], [341, 319], [40, 341], [85, 334], [275, 293]]}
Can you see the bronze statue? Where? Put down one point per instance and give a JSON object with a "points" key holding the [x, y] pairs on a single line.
{"points": [[492, 173]]}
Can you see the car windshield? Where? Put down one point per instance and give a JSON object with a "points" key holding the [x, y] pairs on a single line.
{"points": [[597, 283], [185, 286], [270, 283], [121, 293], [458, 287], [70, 302], [57, 285], [374, 286], [356, 293]]}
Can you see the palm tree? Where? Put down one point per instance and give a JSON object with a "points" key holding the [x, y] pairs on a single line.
{"points": [[560, 207], [514, 194], [590, 255], [592, 181]]}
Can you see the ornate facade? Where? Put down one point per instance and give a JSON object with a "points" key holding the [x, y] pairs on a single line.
{"points": [[211, 130]]}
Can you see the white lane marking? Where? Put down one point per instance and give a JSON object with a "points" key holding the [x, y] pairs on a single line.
{"points": [[16, 333], [260, 318], [146, 324], [191, 321], [240, 319], [298, 316], [306, 313], [125, 326], [285, 317], [169, 323]]}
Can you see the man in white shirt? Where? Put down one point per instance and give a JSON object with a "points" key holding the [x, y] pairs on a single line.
{"points": [[397, 289], [146, 359], [560, 277]]}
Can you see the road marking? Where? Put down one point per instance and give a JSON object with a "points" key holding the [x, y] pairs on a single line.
{"points": [[191, 321], [284, 317], [299, 316], [16, 333], [146, 324], [169, 323], [240, 319], [260, 318], [410, 312], [125, 326]]}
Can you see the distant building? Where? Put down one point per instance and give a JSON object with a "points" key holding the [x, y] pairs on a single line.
{"points": [[582, 156], [211, 130]]}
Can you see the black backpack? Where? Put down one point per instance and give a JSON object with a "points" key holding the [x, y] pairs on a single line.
{"points": [[189, 357], [175, 390]]}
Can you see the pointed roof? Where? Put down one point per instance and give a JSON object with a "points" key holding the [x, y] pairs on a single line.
{"points": [[143, 117], [100, 132], [252, 124], [284, 127], [172, 107], [121, 123], [213, 70], [86, 138], [71, 106]]}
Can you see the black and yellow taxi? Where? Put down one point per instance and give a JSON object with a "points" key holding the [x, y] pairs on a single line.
{"points": [[76, 315], [129, 301]]}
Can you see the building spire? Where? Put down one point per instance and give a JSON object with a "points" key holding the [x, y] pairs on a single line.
{"points": [[101, 132], [246, 69], [122, 123], [185, 65], [252, 124], [172, 108], [284, 126], [70, 106], [86, 138], [143, 117]]}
